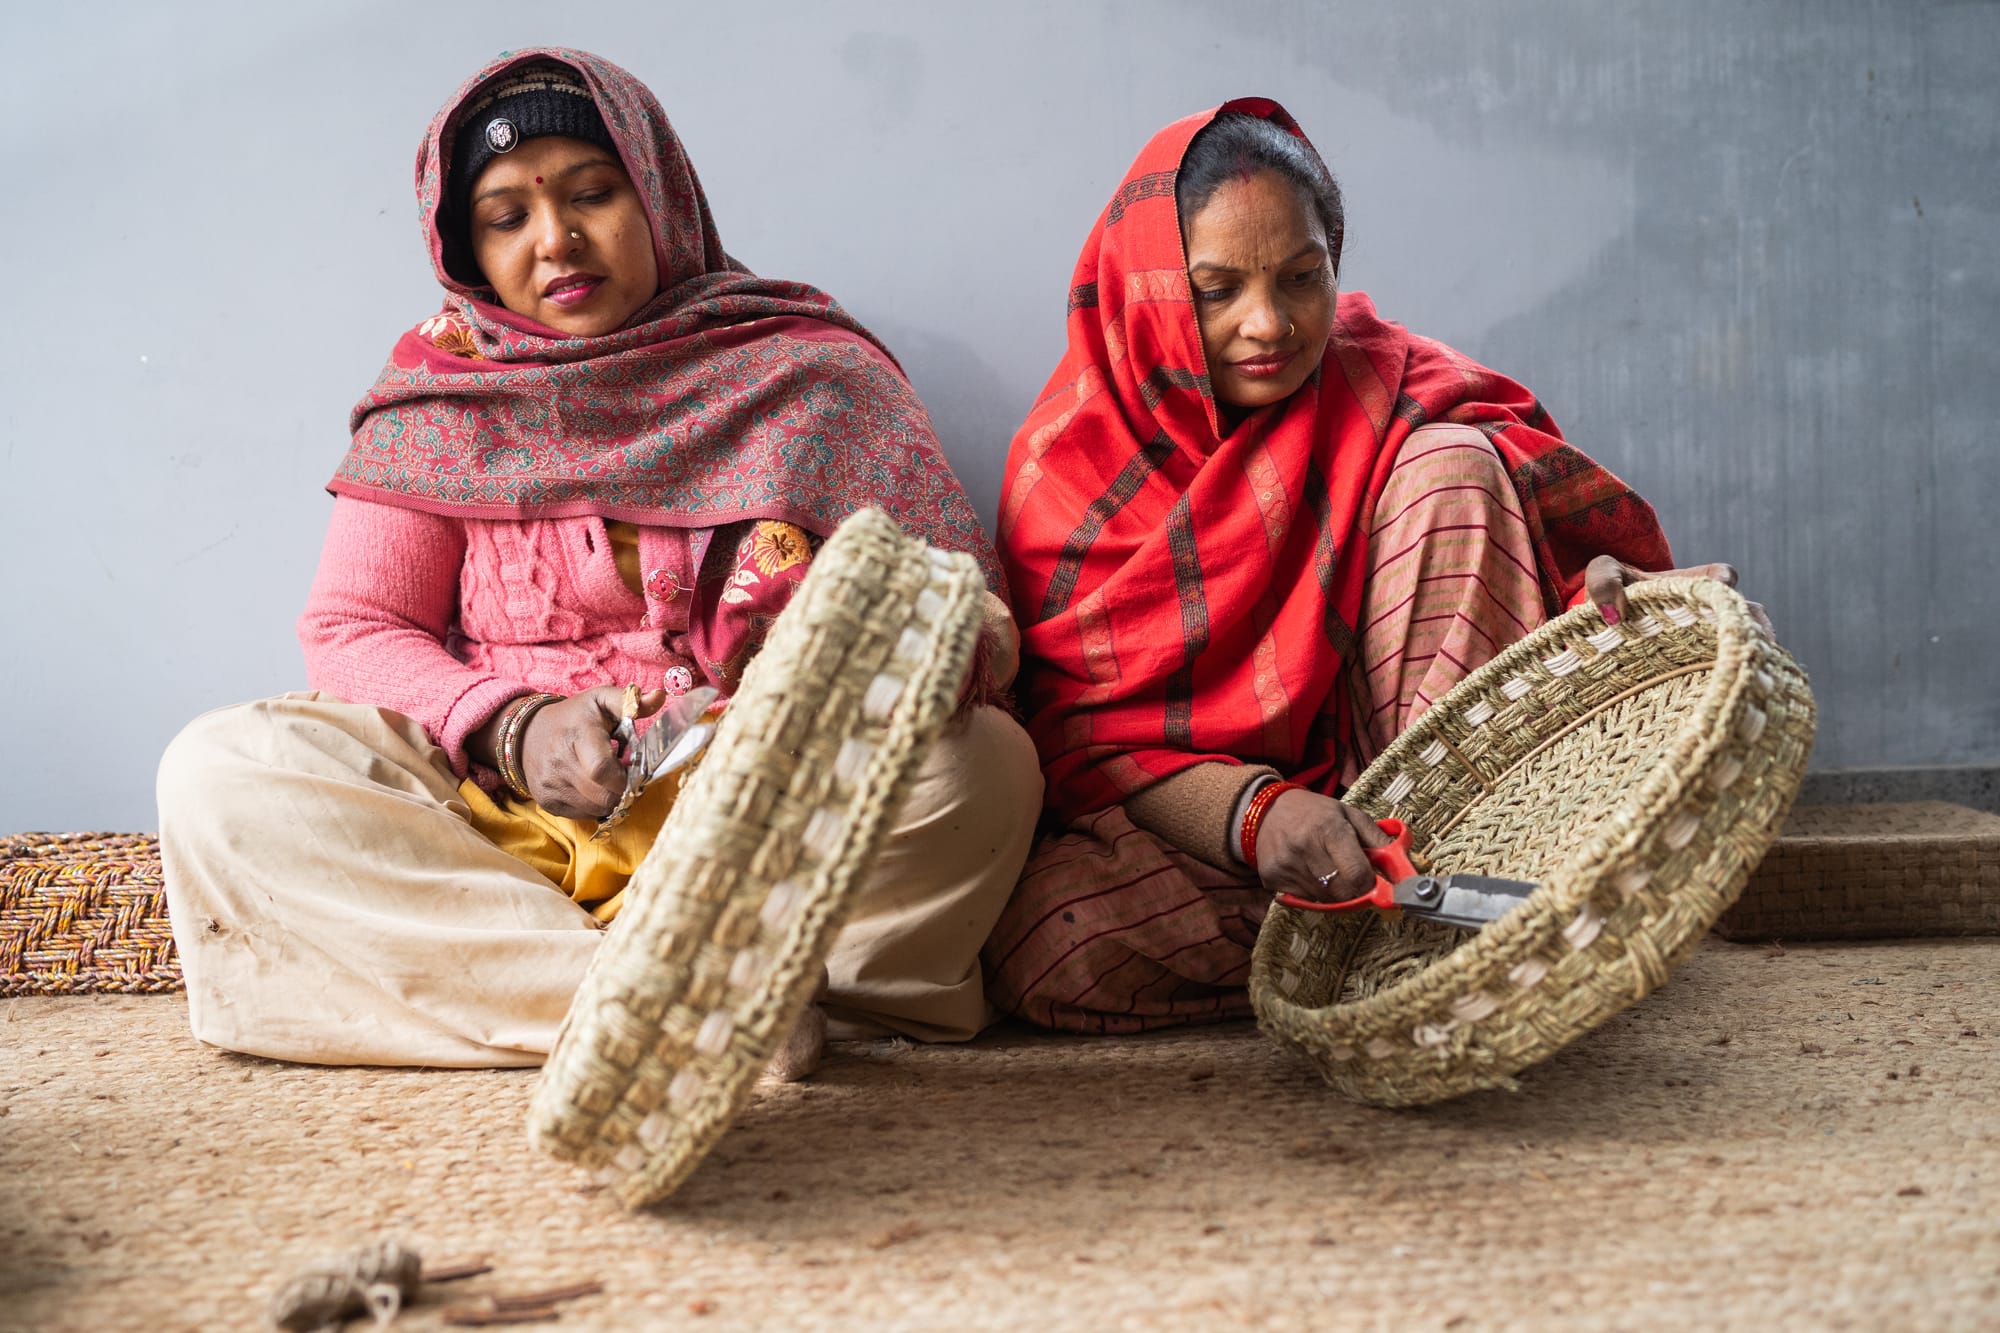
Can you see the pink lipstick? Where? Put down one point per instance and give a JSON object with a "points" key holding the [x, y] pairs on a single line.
{"points": [[572, 288]]}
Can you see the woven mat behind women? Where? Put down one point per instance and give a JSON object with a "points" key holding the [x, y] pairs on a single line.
{"points": [[83, 912]]}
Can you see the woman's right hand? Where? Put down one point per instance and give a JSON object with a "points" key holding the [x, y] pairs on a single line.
{"points": [[568, 758], [1305, 836]]}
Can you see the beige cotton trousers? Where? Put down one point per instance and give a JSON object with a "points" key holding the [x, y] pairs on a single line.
{"points": [[331, 903]]}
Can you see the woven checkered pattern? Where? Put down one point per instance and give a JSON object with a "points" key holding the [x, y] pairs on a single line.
{"points": [[84, 912], [1637, 772], [728, 919]]}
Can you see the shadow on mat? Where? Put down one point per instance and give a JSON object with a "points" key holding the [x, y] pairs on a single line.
{"points": [[1036, 1124]]}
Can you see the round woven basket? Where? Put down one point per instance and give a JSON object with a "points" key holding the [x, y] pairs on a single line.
{"points": [[1636, 772], [728, 919]]}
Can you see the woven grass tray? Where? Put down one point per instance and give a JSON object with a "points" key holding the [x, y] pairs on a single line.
{"points": [[1636, 772], [728, 919], [1862, 872], [84, 913]]}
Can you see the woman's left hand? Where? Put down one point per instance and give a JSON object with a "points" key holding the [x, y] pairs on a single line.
{"points": [[1607, 577]]}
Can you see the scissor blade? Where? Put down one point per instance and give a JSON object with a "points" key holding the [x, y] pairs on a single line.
{"points": [[677, 735], [674, 721], [1471, 901]]}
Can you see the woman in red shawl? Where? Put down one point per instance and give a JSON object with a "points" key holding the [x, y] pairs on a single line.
{"points": [[606, 461], [1252, 530]]}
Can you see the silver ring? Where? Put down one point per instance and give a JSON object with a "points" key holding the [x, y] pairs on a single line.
{"points": [[1326, 880]]}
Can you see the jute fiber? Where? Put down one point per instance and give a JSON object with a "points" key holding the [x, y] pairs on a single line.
{"points": [[728, 919], [83, 912], [1777, 1139], [1636, 772], [1851, 872]]}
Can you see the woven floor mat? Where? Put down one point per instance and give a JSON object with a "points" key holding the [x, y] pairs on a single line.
{"points": [[1874, 872], [1778, 1139], [83, 912]]}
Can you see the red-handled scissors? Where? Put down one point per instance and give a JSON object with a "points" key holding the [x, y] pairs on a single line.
{"points": [[1470, 901]]}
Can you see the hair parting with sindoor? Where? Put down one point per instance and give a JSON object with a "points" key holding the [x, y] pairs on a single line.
{"points": [[1237, 145]]}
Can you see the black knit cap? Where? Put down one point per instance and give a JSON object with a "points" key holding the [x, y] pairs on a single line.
{"points": [[522, 104]]}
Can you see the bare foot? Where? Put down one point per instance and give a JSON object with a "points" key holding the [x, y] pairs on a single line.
{"points": [[799, 1057], [800, 1054]]}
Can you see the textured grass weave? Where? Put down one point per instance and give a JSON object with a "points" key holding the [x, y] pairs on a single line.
{"points": [[1855, 872], [1637, 773], [728, 919], [84, 912]]}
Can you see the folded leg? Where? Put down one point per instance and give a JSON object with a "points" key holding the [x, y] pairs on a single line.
{"points": [[1112, 930], [335, 901]]}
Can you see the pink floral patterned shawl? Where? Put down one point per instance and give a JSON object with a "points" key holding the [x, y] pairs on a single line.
{"points": [[727, 397]]}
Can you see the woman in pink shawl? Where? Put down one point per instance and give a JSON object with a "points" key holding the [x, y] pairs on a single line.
{"points": [[606, 461]]}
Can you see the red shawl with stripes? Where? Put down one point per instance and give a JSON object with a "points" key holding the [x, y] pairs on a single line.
{"points": [[1187, 596], [727, 397]]}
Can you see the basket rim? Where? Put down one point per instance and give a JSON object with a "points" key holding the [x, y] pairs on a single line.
{"points": [[777, 997], [1614, 842], [1532, 648]]}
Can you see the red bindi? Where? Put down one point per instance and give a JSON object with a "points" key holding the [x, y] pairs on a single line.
{"points": [[538, 180]]}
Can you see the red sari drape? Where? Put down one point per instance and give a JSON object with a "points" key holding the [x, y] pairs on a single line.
{"points": [[1186, 595]]}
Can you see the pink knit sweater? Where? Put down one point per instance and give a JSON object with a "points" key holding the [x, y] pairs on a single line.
{"points": [[445, 619]]}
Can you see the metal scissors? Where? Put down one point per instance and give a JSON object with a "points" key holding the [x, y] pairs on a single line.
{"points": [[1468, 901], [681, 730]]}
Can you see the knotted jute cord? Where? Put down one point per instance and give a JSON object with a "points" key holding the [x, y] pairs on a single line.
{"points": [[723, 938], [1637, 772], [378, 1279]]}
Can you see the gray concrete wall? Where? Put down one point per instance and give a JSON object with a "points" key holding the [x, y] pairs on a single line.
{"points": [[1744, 251]]}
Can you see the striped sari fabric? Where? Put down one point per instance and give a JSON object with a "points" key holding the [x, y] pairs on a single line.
{"points": [[1114, 930], [1187, 596]]}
